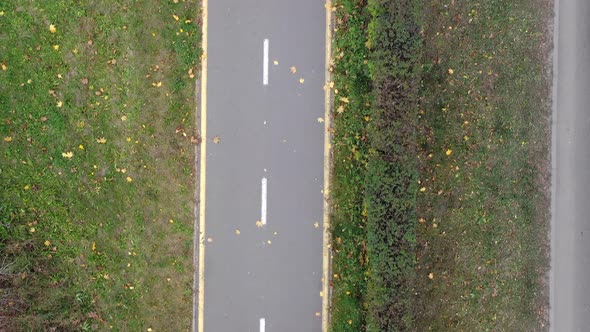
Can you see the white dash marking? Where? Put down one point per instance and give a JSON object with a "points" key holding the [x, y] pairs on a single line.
{"points": [[263, 202], [262, 324], [265, 63]]}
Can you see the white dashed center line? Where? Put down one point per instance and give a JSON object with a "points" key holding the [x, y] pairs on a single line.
{"points": [[263, 202], [265, 63], [262, 324]]}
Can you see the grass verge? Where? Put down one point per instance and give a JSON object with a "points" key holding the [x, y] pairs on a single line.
{"points": [[97, 170], [440, 165], [482, 252]]}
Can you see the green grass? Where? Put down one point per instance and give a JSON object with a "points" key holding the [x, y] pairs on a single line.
{"points": [[484, 211], [101, 240], [352, 88], [464, 247]]}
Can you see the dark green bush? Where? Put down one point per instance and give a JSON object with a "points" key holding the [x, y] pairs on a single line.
{"points": [[391, 180]]}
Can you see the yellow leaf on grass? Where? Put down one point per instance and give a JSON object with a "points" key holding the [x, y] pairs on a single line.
{"points": [[68, 154], [56, 47], [47, 243], [129, 179], [60, 103], [176, 18], [52, 28], [344, 100], [430, 275], [93, 246], [8, 139], [451, 71], [449, 152], [4, 67], [423, 189], [101, 140]]}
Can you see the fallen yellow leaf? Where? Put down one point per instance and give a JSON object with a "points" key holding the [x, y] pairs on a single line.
{"points": [[93, 246], [101, 140], [68, 154], [259, 223], [216, 140], [8, 139], [451, 71], [176, 18], [56, 47], [4, 67], [430, 275], [344, 100], [60, 103], [449, 152], [47, 243], [276, 63], [52, 28], [293, 69], [321, 120], [423, 189], [129, 179], [301, 80], [238, 232]]}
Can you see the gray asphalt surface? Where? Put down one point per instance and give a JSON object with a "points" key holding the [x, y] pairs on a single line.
{"points": [[570, 274], [246, 277]]}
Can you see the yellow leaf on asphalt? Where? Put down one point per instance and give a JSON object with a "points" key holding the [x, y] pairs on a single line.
{"points": [[101, 140], [316, 224], [259, 223], [276, 63], [321, 120], [293, 69], [52, 28], [238, 232], [301, 80], [216, 140]]}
